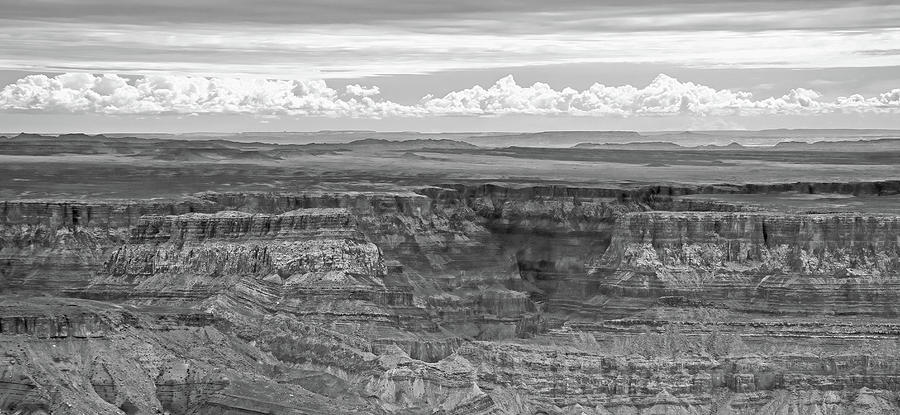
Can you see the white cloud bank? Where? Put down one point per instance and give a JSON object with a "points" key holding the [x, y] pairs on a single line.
{"points": [[165, 94], [172, 94]]}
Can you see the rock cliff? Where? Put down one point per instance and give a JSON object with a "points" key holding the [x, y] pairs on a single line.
{"points": [[450, 299], [783, 264]]}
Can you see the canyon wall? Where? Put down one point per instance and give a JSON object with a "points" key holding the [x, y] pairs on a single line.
{"points": [[775, 263], [450, 299]]}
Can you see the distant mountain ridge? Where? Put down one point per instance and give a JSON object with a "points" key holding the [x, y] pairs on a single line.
{"points": [[856, 140]]}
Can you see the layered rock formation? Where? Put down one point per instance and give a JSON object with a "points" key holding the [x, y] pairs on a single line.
{"points": [[56, 245], [783, 264], [450, 299]]}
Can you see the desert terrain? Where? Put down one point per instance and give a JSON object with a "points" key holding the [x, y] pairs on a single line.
{"points": [[486, 273]]}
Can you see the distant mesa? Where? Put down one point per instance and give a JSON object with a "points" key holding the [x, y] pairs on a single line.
{"points": [[649, 145], [411, 144], [275, 145]]}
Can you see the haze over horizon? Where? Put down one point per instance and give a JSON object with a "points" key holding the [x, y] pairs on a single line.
{"points": [[165, 66], [437, 132]]}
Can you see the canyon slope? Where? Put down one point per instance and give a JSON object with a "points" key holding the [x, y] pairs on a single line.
{"points": [[151, 276]]}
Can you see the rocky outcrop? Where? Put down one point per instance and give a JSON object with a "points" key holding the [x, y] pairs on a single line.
{"points": [[234, 225], [676, 372], [364, 203], [448, 386], [100, 214], [50, 246], [136, 359], [451, 299], [839, 263], [40, 258], [196, 256]]}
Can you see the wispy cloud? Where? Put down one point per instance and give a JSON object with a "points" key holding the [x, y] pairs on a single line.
{"points": [[880, 52], [355, 51], [628, 14], [173, 94]]}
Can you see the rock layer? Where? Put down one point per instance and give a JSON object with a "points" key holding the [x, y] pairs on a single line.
{"points": [[450, 299], [834, 264]]}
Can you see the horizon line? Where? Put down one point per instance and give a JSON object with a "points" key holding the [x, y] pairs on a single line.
{"points": [[363, 131]]}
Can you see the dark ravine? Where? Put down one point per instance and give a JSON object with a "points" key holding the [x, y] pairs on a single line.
{"points": [[450, 299]]}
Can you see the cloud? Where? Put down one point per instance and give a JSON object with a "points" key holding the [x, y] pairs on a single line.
{"points": [[663, 96], [169, 94], [348, 51], [175, 94], [645, 14], [362, 91]]}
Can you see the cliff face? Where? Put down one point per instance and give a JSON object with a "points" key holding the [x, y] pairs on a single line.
{"points": [[49, 246], [108, 214], [234, 225], [452, 299], [836, 264], [127, 361], [578, 374]]}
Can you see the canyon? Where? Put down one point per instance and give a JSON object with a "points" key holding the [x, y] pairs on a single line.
{"points": [[428, 294]]}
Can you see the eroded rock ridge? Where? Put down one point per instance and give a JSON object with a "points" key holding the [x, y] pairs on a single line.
{"points": [[451, 299]]}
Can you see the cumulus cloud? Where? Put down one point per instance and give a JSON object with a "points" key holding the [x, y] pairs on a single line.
{"points": [[663, 96], [163, 94], [362, 91], [172, 94]]}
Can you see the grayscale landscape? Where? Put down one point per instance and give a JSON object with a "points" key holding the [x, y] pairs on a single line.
{"points": [[428, 273], [417, 207]]}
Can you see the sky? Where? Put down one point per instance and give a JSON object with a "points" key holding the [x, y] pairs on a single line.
{"points": [[438, 65]]}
